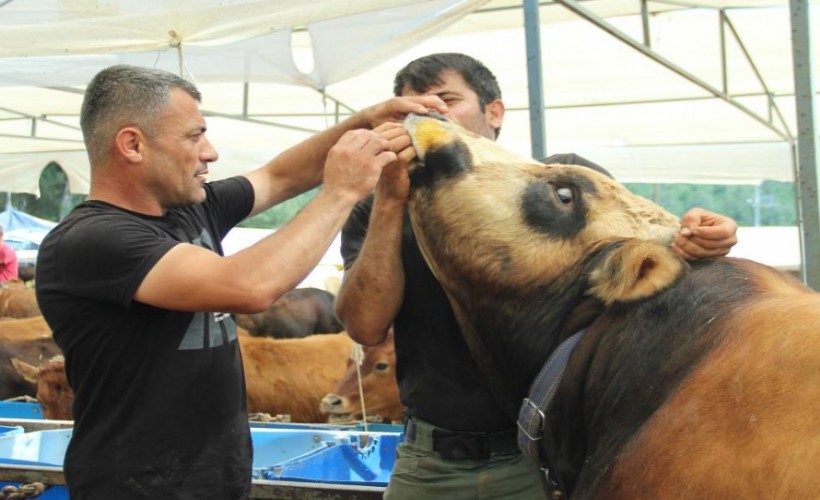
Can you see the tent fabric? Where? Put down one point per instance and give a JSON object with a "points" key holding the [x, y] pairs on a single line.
{"points": [[272, 73], [12, 219]]}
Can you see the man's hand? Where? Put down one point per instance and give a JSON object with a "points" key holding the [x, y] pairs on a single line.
{"points": [[355, 163], [394, 182], [395, 109], [704, 234]]}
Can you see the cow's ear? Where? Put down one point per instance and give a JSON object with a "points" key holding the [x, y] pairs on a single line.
{"points": [[28, 372], [633, 270]]}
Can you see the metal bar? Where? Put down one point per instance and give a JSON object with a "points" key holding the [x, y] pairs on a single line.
{"points": [[648, 101], [258, 122], [772, 104], [337, 101], [807, 154], [532, 30], [724, 72], [596, 20], [35, 138], [245, 98], [647, 39], [44, 119]]}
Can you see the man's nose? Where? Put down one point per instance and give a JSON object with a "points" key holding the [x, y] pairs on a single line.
{"points": [[209, 153]]}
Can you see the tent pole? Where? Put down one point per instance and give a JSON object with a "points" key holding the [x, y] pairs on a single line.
{"points": [[532, 29], [808, 213]]}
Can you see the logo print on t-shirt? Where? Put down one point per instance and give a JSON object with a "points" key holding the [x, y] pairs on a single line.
{"points": [[208, 329]]}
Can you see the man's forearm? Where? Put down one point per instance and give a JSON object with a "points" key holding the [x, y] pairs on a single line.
{"points": [[373, 288]]}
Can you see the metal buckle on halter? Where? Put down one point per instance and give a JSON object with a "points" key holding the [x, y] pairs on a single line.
{"points": [[541, 415], [548, 477]]}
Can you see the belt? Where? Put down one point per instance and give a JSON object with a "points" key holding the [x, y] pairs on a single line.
{"points": [[453, 445]]}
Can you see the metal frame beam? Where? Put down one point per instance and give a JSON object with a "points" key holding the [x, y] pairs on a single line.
{"points": [[535, 80], [806, 150], [590, 16]]}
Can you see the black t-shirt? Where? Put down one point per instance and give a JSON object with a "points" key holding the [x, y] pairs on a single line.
{"points": [[160, 404], [438, 380]]}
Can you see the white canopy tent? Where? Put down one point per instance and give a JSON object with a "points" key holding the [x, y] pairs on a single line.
{"points": [[274, 72]]}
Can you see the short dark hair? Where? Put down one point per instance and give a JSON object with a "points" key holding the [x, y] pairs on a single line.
{"points": [[424, 72], [125, 95]]}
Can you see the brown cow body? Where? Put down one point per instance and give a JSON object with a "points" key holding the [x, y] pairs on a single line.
{"points": [[378, 384], [691, 381], [282, 376], [27, 339], [291, 376], [18, 302], [298, 313]]}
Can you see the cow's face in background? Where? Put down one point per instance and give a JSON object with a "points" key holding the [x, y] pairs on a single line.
{"points": [[485, 217]]}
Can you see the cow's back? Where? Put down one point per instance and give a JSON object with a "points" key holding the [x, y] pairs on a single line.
{"points": [[751, 405], [729, 402], [298, 313], [18, 302]]}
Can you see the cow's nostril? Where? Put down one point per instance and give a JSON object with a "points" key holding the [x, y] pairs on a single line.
{"points": [[438, 116]]}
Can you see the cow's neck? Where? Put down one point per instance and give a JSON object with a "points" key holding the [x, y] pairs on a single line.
{"points": [[517, 333]]}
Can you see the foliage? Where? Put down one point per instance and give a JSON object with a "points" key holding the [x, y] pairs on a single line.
{"points": [[279, 215], [770, 204], [54, 202]]}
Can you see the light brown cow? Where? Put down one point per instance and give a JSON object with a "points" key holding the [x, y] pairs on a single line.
{"points": [[692, 380], [18, 302], [378, 384], [291, 376], [27, 339], [283, 376]]}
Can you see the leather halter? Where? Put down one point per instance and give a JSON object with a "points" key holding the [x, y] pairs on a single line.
{"points": [[531, 417]]}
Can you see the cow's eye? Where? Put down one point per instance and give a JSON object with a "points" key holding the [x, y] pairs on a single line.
{"points": [[564, 194]]}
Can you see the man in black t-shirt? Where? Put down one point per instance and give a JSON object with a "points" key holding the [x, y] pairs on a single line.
{"points": [[136, 290], [460, 443]]}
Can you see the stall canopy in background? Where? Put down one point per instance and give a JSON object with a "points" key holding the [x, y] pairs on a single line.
{"points": [[272, 73]]}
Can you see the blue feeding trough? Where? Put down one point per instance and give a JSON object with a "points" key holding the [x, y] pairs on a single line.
{"points": [[21, 409], [327, 456], [34, 448], [287, 455]]}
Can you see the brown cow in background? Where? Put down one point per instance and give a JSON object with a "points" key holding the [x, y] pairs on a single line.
{"points": [[692, 380], [18, 301], [298, 313], [283, 376], [291, 376], [53, 392], [378, 383], [27, 339]]}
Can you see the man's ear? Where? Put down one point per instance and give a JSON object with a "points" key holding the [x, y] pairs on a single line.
{"points": [[495, 113], [130, 143], [634, 270]]}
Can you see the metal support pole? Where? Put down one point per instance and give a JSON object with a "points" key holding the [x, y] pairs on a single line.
{"points": [[532, 29], [807, 155]]}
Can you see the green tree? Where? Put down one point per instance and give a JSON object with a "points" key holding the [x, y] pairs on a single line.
{"points": [[279, 215], [54, 200], [773, 203]]}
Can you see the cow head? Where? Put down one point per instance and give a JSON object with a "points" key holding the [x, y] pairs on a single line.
{"points": [[375, 377], [507, 235], [53, 392]]}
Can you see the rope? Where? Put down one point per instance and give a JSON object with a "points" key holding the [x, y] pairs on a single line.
{"points": [[357, 355], [31, 490]]}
